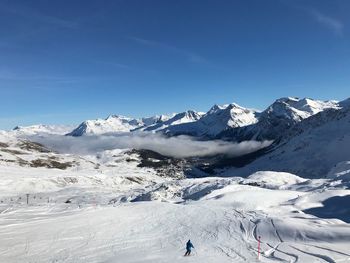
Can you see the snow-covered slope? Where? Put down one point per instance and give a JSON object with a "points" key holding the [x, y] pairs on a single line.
{"points": [[280, 116], [42, 129], [216, 120], [180, 118], [148, 121], [294, 110], [340, 171], [20, 152], [311, 148], [274, 180], [91, 217], [113, 123]]}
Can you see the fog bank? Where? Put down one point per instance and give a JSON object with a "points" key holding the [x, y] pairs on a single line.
{"points": [[179, 147]]}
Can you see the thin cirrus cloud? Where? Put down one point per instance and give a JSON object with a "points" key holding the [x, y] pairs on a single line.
{"points": [[327, 21], [335, 25], [191, 56], [43, 23], [12, 75], [33, 15], [127, 67]]}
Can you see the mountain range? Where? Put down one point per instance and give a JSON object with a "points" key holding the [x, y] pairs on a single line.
{"points": [[230, 122], [310, 137], [310, 148]]}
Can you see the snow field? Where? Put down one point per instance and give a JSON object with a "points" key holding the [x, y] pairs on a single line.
{"points": [[223, 218]]}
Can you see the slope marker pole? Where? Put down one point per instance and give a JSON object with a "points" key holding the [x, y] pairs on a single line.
{"points": [[259, 248]]}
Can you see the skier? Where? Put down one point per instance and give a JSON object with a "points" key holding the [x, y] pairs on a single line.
{"points": [[189, 246]]}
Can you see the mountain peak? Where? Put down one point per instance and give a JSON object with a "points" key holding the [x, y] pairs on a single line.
{"points": [[216, 107], [295, 108], [113, 123], [117, 116], [42, 129]]}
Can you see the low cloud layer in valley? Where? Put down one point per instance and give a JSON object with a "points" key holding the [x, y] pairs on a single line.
{"points": [[180, 146]]}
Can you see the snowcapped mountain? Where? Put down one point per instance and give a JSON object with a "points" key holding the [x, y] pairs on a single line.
{"points": [[113, 123], [148, 121], [180, 118], [216, 120], [312, 147], [116, 123], [280, 116], [42, 129], [229, 122], [294, 110]]}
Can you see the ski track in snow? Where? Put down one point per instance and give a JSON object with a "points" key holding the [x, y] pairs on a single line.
{"points": [[147, 232]]}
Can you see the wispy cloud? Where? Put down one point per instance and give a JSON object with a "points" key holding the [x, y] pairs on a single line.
{"points": [[190, 56], [117, 65], [36, 24], [335, 25], [34, 15], [325, 20], [10, 75], [123, 66]]}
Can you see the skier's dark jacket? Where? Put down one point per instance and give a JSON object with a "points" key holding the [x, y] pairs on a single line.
{"points": [[189, 245]]}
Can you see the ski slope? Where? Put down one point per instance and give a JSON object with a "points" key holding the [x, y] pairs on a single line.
{"points": [[106, 222]]}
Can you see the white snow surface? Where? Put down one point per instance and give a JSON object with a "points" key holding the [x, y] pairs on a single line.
{"points": [[223, 220], [180, 118], [340, 171], [298, 109], [275, 180], [116, 124], [113, 123], [107, 209], [216, 120], [42, 129]]}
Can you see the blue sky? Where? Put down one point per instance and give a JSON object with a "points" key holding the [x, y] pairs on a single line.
{"points": [[67, 61]]}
